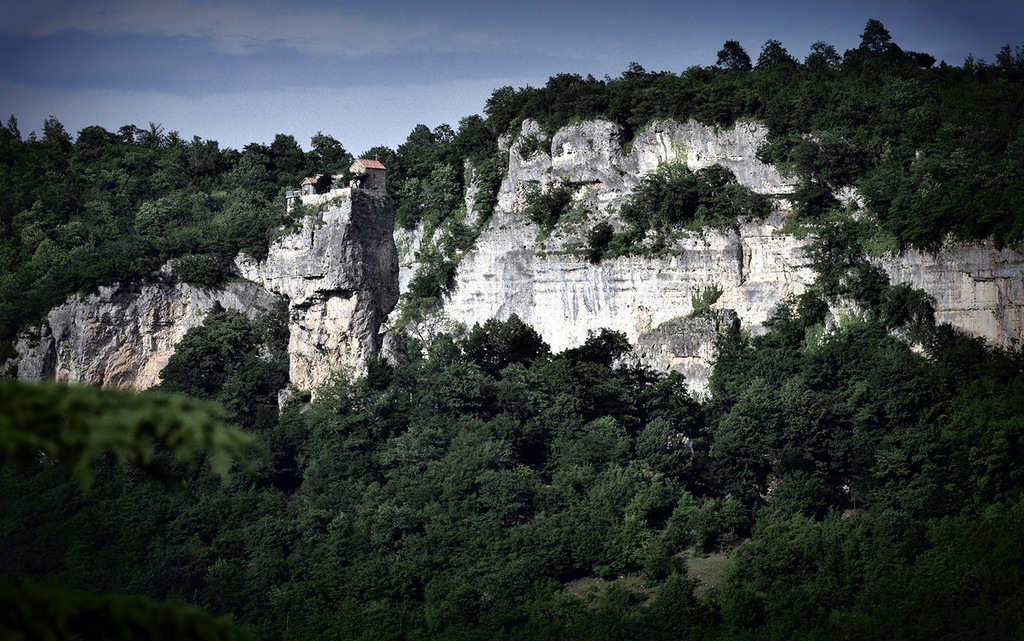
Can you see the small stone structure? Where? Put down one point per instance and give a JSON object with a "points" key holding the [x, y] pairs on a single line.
{"points": [[308, 186], [368, 174]]}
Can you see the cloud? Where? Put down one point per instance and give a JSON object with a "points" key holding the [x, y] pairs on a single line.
{"points": [[244, 28], [192, 65]]}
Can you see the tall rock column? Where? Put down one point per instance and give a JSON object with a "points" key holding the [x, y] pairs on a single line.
{"points": [[339, 273]]}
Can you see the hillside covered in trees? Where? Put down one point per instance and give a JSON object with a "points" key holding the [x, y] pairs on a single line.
{"points": [[861, 482]]}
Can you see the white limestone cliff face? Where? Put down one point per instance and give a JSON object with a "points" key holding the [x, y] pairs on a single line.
{"points": [[563, 296], [339, 274], [975, 287], [124, 335]]}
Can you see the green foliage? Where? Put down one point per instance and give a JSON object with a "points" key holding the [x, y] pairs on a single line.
{"points": [[238, 362], [673, 199], [934, 150], [45, 613], [703, 301], [116, 206], [495, 345], [870, 489], [546, 208], [599, 238], [205, 270], [428, 178], [529, 145], [329, 156], [49, 425], [430, 282], [732, 57], [74, 425], [459, 490]]}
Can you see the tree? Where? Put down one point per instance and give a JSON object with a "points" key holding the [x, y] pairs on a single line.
{"points": [[287, 161], [328, 155], [1009, 60], [501, 109], [234, 360], [71, 426], [57, 424], [12, 126], [732, 57], [602, 348], [773, 54], [822, 56], [496, 344], [875, 38], [34, 613]]}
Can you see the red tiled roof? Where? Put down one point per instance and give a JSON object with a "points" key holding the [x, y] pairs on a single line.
{"points": [[370, 164], [311, 181]]}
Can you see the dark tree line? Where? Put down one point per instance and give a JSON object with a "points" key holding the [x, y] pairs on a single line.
{"points": [[476, 488], [935, 150]]}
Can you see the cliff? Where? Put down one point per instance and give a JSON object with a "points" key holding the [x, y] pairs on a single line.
{"points": [[339, 274], [124, 334], [515, 269], [337, 270]]}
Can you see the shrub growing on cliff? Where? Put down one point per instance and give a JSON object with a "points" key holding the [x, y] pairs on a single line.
{"points": [[546, 208], [673, 199], [598, 239], [204, 270], [237, 361], [703, 301]]}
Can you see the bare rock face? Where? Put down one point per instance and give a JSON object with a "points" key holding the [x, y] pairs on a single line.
{"points": [[339, 274], [685, 345], [563, 296], [124, 335], [515, 269], [976, 287]]}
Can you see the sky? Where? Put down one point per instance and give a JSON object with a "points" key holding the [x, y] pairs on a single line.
{"points": [[366, 73]]}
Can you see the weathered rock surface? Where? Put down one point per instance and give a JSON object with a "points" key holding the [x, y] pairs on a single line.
{"points": [[976, 288], [124, 335], [339, 274], [512, 270], [564, 297]]}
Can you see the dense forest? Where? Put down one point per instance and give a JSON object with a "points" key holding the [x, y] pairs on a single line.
{"points": [[861, 482]]}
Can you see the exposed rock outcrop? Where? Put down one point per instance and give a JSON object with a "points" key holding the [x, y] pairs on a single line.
{"points": [[124, 335], [976, 288], [338, 270], [339, 273], [563, 296]]}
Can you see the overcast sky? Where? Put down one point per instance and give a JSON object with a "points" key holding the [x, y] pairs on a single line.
{"points": [[367, 72]]}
